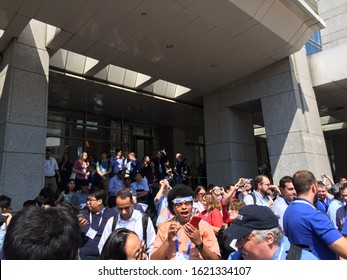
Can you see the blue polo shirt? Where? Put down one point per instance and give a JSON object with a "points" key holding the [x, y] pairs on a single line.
{"points": [[322, 206], [304, 224]]}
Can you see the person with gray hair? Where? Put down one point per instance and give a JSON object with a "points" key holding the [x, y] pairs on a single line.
{"points": [[260, 237]]}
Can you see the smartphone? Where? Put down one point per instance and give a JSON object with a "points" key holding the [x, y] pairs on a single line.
{"points": [[194, 221]]}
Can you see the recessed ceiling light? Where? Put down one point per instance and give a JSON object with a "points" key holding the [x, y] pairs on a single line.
{"points": [[169, 46], [144, 14]]}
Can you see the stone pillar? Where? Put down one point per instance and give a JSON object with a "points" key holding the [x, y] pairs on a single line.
{"points": [[292, 122], [23, 114], [230, 146]]}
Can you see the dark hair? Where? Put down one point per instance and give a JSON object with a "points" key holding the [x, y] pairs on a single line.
{"points": [[179, 190], [210, 187], [92, 165], [103, 152], [198, 189], [120, 171], [5, 201], [258, 180], [46, 193], [42, 234], [98, 194], [84, 183], [114, 247], [71, 180], [321, 184], [66, 189], [284, 180], [302, 181], [342, 188], [124, 194]]}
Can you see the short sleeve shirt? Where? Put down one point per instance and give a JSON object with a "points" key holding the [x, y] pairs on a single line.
{"points": [[208, 238], [304, 224]]}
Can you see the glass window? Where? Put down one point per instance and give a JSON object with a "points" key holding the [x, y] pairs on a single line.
{"points": [[314, 44]]}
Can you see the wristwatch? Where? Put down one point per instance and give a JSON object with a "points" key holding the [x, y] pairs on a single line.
{"points": [[200, 246]]}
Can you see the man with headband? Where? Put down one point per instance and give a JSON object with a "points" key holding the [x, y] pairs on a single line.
{"points": [[177, 239]]}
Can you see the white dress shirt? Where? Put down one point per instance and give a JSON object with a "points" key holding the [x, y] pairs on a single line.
{"points": [[134, 224]]}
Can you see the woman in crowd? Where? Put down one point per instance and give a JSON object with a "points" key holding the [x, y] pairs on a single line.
{"points": [[198, 207], [123, 244], [212, 213], [67, 194], [80, 167], [234, 208]]}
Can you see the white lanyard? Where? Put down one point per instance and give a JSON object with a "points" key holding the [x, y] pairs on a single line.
{"points": [[90, 218], [304, 202]]}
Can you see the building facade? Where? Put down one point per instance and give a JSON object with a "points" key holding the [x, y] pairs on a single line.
{"points": [[229, 83]]}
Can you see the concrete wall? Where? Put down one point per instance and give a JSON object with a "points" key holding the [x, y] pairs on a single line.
{"points": [[334, 13], [294, 135], [23, 115]]}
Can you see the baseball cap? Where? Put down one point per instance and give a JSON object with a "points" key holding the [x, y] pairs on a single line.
{"points": [[251, 217]]}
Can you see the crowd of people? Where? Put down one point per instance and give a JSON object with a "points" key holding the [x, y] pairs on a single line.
{"points": [[124, 209]]}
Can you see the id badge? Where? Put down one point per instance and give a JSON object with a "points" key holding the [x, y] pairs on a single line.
{"points": [[181, 257], [91, 233]]}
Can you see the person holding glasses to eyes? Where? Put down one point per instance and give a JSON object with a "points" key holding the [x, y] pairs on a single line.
{"points": [[260, 237], [198, 207], [123, 244], [177, 239], [92, 223]]}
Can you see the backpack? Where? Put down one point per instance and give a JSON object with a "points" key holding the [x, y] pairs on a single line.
{"points": [[144, 226], [254, 198], [295, 251]]}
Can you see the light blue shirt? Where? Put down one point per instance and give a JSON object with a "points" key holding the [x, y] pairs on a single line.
{"points": [[279, 207], [115, 184], [142, 186], [260, 200], [280, 254], [332, 209]]}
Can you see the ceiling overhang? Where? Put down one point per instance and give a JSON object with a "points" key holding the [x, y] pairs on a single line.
{"points": [[199, 45]]}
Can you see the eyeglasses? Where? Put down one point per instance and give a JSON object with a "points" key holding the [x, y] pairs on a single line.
{"points": [[186, 203], [201, 193], [91, 199], [142, 251], [246, 238]]}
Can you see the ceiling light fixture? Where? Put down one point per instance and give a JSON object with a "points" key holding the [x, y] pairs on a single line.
{"points": [[144, 14], [213, 65], [169, 46]]}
